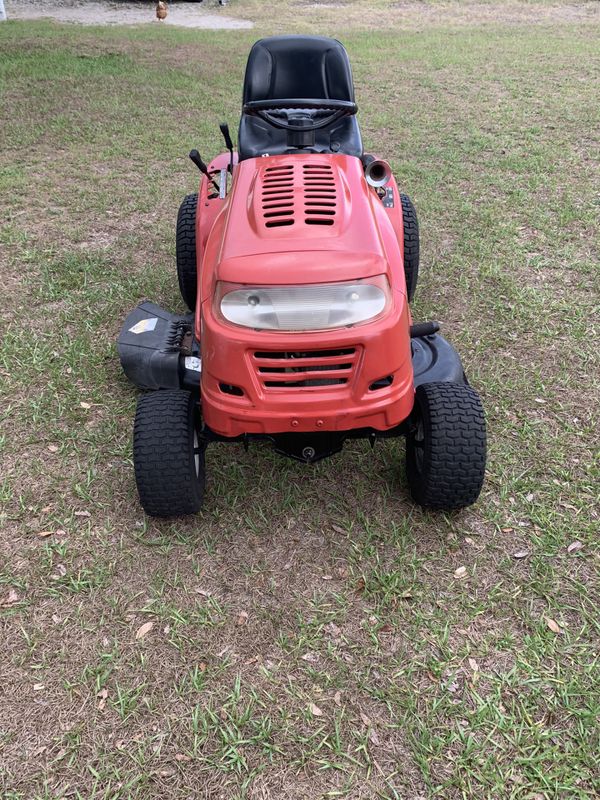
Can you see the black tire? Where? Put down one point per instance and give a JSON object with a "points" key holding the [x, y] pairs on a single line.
{"points": [[411, 245], [168, 458], [446, 446], [185, 249]]}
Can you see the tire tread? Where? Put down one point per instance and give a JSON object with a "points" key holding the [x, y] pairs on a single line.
{"points": [[165, 476], [455, 447]]}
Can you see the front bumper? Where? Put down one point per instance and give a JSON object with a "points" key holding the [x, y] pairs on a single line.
{"points": [[258, 382]]}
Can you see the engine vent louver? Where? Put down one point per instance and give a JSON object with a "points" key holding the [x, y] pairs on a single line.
{"points": [[278, 196], [320, 196], [291, 192]]}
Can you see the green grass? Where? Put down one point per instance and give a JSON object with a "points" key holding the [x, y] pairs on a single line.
{"points": [[429, 686]]}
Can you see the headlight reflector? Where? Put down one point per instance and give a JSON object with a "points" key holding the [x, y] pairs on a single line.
{"points": [[314, 307]]}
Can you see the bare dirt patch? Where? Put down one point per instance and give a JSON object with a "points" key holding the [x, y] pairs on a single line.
{"points": [[187, 15]]}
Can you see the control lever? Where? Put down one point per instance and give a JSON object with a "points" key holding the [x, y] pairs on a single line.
{"points": [[224, 127], [195, 157]]}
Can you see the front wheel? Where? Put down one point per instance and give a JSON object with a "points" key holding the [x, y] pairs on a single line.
{"points": [[167, 454], [446, 446], [185, 250], [411, 245]]}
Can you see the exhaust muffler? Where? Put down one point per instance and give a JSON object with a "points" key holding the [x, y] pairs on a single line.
{"points": [[378, 173]]}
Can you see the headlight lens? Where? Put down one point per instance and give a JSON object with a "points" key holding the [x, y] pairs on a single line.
{"points": [[304, 308]]}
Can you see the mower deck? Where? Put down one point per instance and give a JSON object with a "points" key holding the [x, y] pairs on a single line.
{"points": [[158, 351]]}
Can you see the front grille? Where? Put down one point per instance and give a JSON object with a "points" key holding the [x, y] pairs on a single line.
{"points": [[305, 369]]}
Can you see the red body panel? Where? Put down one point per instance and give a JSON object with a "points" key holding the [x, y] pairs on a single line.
{"points": [[301, 219]]}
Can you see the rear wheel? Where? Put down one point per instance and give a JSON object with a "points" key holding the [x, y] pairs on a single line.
{"points": [[411, 245], [167, 454], [185, 248], [446, 446]]}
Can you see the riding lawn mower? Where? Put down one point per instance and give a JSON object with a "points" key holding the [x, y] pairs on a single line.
{"points": [[298, 258]]}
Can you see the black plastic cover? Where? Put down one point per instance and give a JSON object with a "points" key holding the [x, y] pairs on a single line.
{"points": [[150, 346], [435, 360]]}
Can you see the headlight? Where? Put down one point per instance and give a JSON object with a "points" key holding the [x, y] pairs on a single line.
{"points": [[303, 308]]}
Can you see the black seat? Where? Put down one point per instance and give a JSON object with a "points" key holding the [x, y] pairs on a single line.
{"points": [[282, 67]]}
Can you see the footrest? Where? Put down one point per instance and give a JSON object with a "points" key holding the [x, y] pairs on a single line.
{"points": [[150, 345]]}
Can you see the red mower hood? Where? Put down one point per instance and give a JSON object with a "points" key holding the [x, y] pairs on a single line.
{"points": [[304, 219]]}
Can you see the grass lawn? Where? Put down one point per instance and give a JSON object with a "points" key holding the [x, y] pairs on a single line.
{"points": [[310, 634]]}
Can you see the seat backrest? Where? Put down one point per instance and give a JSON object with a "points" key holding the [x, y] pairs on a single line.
{"points": [[298, 67]]}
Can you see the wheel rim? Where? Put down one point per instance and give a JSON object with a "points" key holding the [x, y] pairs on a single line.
{"points": [[419, 444], [196, 453]]}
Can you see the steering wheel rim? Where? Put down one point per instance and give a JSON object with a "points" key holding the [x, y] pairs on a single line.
{"points": [[263, 109]]}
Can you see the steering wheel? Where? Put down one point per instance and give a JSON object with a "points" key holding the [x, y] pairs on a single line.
{"points": [[265, 109]]}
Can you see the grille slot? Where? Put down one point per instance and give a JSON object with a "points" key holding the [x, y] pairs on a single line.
{"points": [[277, 196], [320, 194], [306, 369]]}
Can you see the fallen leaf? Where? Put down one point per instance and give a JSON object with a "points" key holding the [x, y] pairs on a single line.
{"points": [[474, 665], [37, 687], [529, 497], [315, 710], [373, 737], [521, 554], [360, 585], [85, 405], [203, 592], [310, 656], [182, 757], [339, 529], [342, 572], [553, 625], [44, 534], [327, 577], [102, 695], [53, 448], [574, 546], [55, 619], [60, 532], [144, 629], [337, 698], [460, 572], [468, 540], [167, 773], [365, 719], [242, 618], [82, 514], [61, 570], [386, 628]]}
